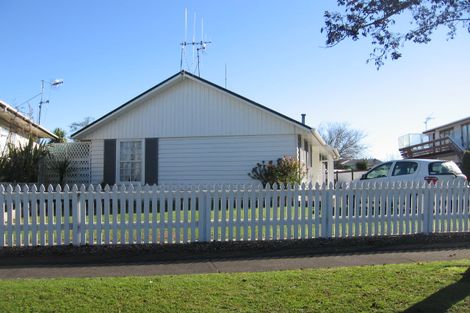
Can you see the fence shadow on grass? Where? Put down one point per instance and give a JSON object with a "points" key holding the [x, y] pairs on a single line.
{"points": [[445, 298]]}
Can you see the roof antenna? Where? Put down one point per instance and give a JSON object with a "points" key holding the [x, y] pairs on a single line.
{"points": [[198, 46], [225, 75], [183, 44], [427, 120]]}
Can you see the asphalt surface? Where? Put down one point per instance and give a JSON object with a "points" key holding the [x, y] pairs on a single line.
{"points": [[252, 264]]}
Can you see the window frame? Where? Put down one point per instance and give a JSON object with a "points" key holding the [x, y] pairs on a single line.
{"points": [[118, 160], [380, 165], [392, 174]]}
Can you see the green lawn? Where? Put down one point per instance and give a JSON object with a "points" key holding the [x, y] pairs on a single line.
{"points": [[428, 287]]}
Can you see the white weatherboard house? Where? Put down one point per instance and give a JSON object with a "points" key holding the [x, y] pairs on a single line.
{"points": [[187, 130], [16, 128]]}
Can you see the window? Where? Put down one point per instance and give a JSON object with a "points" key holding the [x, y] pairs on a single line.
{"points": [[449, 132], [444, 168], [466, 136], [130, 161], [404, 168], [379, 171]]}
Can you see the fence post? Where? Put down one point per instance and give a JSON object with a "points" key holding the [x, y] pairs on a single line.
{"points": [[428, 208], [76, 210], [326, 211], [204, 221], [207, 215]]}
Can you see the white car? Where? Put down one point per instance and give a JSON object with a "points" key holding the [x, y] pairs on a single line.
{"points": [[431, 171]]}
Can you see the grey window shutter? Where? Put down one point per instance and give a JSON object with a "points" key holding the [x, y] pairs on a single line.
{"points": [[109, 168], [151, 161]]}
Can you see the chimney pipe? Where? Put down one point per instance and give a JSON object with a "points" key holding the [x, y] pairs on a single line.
{"points": [[303, 118]]}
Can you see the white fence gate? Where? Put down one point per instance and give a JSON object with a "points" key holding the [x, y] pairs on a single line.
{"points": [[151, 214]]}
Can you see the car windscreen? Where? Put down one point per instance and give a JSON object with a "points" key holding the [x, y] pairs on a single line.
{"points": [[444, 168]]}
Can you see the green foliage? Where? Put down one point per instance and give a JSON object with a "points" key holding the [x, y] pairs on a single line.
{"points": [[264, 172], [376, 20], [21, 164], [287, 170], [361, 165], [60, 165], [61, 135], [465, 167]]}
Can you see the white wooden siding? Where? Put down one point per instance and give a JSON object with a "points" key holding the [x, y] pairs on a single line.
{"points": [[209, 160], [10, 137], [190, 108], [97, 161]]}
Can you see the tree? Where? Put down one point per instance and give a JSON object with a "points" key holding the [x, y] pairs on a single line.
{"points": [[348, 141], [61, 135], [376, 18], [79, 125]]}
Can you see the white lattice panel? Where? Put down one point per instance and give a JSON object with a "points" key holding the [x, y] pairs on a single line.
{"points": [[79, 155]]}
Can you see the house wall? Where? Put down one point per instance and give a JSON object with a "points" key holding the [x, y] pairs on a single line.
{"points": [[7, 137], [190, 109], [97, 161], [458, 130], [219, 160], [205, 135]]}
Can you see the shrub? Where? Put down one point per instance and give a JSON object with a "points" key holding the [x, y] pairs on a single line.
{"points": [[465, 167], [287, 170], [59, 165], [361, 165], [21, 164], [264, 172]]}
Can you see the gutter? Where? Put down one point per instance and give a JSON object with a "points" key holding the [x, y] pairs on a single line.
{"points": [[7, 108], [323, 143]]}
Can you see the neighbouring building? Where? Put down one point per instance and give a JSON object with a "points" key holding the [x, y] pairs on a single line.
{"points": [[187, 130], [16, 128], [447, 142]]}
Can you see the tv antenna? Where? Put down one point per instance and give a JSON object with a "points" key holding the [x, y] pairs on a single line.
{"points": [[200, 45], [427, 120]]}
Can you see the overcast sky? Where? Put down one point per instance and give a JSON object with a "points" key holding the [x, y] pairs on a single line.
{"points": [[107, 52]]}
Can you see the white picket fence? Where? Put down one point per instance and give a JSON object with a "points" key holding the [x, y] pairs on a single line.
{"points": [[176, 214]]}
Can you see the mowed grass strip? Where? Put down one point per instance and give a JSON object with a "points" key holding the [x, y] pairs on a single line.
{"points": [[422, 287]]}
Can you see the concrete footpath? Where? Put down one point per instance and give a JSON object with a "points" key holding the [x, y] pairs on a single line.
{"points": [[247, 264]]}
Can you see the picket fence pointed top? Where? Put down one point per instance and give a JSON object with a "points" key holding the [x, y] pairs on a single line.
{"points": [[50, 188], [58, 188], [34, 188], [131, 188], [99, 188], [91, 188], [82, 188], [74, 188], [66, 188], [17, 188], [26, 188]]}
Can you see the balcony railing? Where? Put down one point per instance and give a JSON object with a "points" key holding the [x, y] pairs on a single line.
{"points": [[429, 148]]}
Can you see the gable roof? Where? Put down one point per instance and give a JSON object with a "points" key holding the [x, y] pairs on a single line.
{"points": [[174, 79], [13, 117]]}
